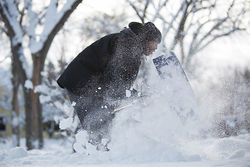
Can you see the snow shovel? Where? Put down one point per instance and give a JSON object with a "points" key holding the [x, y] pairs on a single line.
{"points": [[171, 71]]}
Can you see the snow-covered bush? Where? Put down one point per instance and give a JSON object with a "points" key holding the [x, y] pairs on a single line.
{"points": [[57, 109], [233, 119]]}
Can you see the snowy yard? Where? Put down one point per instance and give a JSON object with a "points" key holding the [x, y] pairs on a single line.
{"points": [[226, 152], [163, 132]]}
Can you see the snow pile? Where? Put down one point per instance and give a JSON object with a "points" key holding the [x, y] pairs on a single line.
{"points": [[82, 145], [152, 130], [230, 148], [13, 153], [28, 84]]}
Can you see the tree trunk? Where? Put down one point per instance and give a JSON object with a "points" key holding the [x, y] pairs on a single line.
{"points": [[35, 102], [15, 115], [28, 119], [17, 52], [15, 112], [15, 105]]}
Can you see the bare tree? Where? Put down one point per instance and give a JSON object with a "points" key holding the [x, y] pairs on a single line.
{"points": [[15, 83], [199, 26], [194, 24], [23, 20]]}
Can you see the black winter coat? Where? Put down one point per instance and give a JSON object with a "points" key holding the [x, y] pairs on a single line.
{"points": [[108, 67]]}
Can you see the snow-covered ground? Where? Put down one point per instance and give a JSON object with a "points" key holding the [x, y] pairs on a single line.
{"points": [[226, 152], [160, 133]]}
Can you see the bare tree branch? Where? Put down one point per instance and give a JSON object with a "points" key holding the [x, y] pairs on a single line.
{"points": [[170, 25], [136, 10], [142, 16], [145, 10], [215, 27], [2, 28], [197, 33], [50, 30], [4, 14], [59, 25], [6, 57], [158, 10], [181, 26], [218, 36]]}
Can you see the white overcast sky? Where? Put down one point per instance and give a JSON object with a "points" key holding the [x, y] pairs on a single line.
{"points": [[107, 6]]}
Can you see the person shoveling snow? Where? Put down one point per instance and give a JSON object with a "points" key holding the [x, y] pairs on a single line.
{"points": [[98, 79]]}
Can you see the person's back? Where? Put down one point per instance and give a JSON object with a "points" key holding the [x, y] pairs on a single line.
{"points": [[89, 62]]}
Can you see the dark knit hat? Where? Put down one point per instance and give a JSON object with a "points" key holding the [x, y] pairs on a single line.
{"points": [[148, 31]]}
